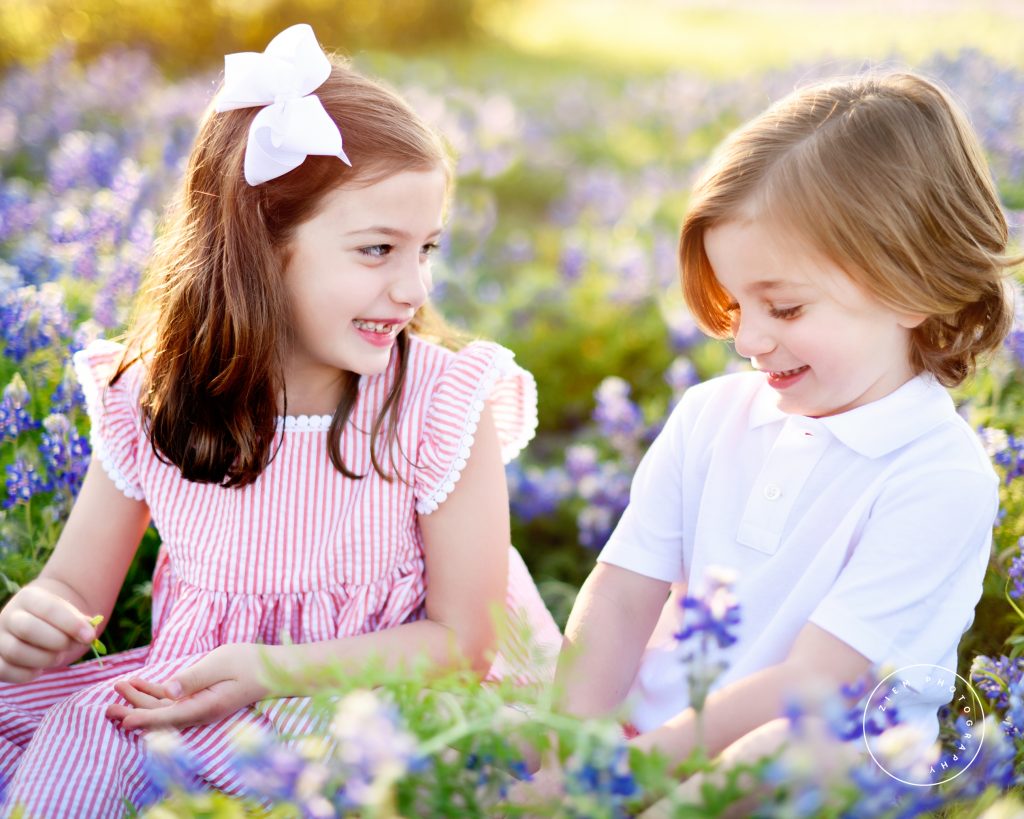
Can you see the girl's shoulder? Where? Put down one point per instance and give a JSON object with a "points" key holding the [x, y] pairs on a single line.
{"points": [[473, 368], [97, 363], [115, 416], [446, 391]]}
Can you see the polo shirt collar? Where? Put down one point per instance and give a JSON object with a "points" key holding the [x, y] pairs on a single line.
{"points": [[877, 428]]}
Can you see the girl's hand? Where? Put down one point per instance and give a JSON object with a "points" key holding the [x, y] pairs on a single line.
{"points": [[39, 629], [209, 690]]}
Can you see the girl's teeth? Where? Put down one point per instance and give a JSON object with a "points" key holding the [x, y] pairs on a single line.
{"points": [[372, 326]]}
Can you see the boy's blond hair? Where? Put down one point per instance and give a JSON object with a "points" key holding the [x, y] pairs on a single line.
{"points": [[884, 175]]}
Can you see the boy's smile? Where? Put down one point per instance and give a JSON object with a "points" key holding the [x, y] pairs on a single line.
{"points": [[825, 344]]}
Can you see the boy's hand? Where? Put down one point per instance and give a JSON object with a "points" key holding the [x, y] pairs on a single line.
{"points": [[214, 687], [39, 629]]}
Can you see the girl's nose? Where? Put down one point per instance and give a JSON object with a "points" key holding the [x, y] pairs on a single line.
{"points": [[752, 339], [412, 285]]}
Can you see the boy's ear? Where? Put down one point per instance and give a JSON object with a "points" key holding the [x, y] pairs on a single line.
{"points": [[911, 320]]}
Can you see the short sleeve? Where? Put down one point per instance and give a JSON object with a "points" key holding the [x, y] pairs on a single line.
{"points": [[910, 585], [648, 539], [114, 417], [480, 372]]}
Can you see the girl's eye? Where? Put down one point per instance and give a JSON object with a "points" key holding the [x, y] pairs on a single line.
{"points": [[785, 312], [428, 249], [376, 251]]}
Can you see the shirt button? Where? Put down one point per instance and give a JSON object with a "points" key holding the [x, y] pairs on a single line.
{"points": [[772, 491]]}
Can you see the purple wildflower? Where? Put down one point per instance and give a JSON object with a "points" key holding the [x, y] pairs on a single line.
{"points": [[23, 481], [714, 613]]}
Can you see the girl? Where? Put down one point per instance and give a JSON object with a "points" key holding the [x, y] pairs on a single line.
{"points": [[310, 457], [851, 244]]}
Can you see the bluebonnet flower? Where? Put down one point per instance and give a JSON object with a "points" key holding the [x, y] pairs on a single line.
{"points": [[571, 262], [19, 210], [713, 613], [278, 772], [536, 492], [33, 319], [34, 260], [580, 460], [707, 618], [373, 749], [616, 415], [66, 455], [994, 677], [14, 414], [992, 767], [169, 766], [681, 375], [598, 780], [23, 481], [1015, 574], [83, 160], [605, 490], [67, 396]]}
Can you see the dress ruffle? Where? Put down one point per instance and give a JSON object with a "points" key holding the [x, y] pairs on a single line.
{"points": [[115, 422], [481, 373]]}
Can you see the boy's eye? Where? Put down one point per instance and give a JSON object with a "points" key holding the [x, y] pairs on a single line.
{"points": [[376, 251], [785, 312]]}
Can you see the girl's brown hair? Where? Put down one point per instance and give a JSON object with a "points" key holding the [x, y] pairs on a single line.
{"points": [[884, 176], [213, 326]]}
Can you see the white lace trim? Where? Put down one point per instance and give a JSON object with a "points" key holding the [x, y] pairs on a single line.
{"points": [[94, 407], [502, 364], [304, 423]]}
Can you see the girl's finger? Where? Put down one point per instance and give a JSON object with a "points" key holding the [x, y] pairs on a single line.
{"points": [[22, 654], [136, 697], [154, 689], [58, 613], [33, 631], [177, 715]]}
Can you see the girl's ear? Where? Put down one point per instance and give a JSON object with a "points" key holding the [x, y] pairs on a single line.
{"points": [[911, 320]]}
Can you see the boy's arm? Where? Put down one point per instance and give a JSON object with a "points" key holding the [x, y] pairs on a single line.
{"points": [[737, 709], [608, 629], [42, 625]]}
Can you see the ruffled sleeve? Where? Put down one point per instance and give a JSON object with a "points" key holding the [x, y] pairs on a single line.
{"points": [[480, 372], [114, 417]]}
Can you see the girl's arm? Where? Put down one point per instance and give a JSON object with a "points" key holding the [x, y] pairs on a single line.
{"points": [[46, 623], [466, 543], [735, 710]]}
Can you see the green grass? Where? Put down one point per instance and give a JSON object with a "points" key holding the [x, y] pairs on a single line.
{"points": [[730, 39]]}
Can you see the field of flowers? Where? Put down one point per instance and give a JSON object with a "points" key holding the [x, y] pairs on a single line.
{"points": [[561, 245]]}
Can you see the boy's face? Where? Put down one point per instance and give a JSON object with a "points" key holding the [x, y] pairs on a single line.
{"points": [[825, 345], [357, 272]]}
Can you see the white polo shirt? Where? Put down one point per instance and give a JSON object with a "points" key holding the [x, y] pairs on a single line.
{"points": [[874, 524]]}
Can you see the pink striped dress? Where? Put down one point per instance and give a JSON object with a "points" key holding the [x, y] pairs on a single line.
{"points": [[303, 554]]}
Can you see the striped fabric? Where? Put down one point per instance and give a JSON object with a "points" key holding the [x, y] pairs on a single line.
{"points": [[303, 554]]}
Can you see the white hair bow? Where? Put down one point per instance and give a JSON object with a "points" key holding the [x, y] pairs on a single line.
{"points": [[293, 124]]}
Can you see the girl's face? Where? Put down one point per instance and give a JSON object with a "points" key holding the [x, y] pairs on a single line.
{"points": [[358, 270], [825, 345]]}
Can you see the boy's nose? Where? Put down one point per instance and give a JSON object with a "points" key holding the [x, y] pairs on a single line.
{"points": [[752, 339]]}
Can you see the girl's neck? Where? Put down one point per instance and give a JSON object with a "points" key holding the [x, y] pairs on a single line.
{"points": [[311, 396]]}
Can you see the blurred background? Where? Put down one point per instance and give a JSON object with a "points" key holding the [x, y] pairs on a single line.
{"points": [[579, 128]]}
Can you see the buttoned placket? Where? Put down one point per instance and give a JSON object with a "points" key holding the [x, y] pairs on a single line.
{"points": [[791, 459]]}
